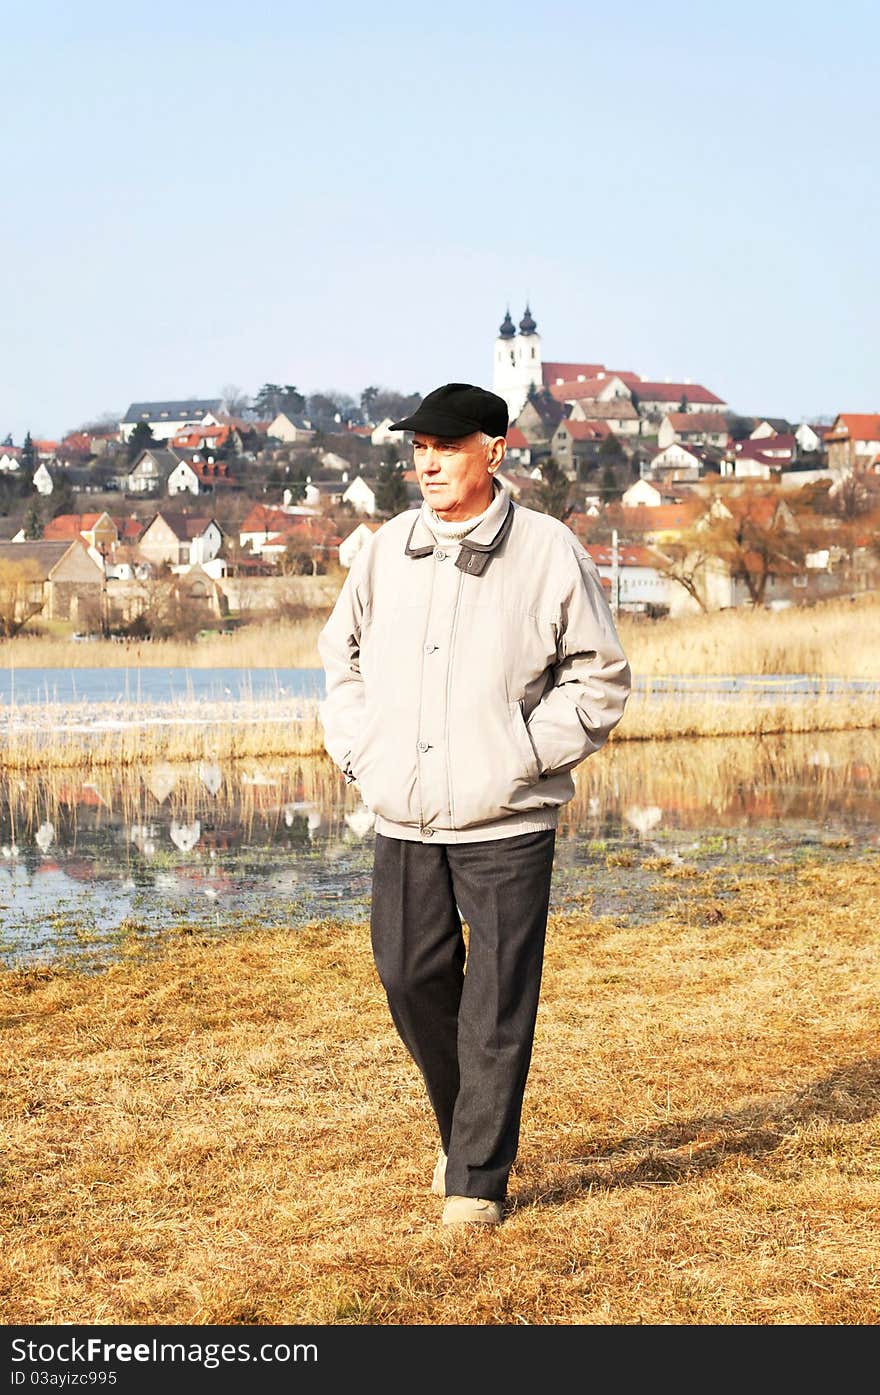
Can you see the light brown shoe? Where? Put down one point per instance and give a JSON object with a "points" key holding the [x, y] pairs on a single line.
{"points": [[471, 1210], [438, 1183]]}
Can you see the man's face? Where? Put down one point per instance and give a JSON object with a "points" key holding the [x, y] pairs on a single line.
{"points": [[454, 474]]}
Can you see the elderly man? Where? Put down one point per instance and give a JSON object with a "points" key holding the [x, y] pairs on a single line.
{"points": [[471, 663]]}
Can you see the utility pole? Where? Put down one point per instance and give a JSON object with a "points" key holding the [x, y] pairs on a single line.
{"points": [[615, 574]]}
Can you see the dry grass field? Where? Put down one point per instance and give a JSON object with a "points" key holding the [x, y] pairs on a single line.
{"points": [[229, 1133]]}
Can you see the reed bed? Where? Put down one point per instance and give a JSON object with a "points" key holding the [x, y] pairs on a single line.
{"points": [[97, 736], [48, 736], [839, 638], [231, 1133], [273, 644]]}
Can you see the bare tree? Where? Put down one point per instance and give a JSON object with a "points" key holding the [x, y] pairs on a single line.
{"points": [[747, 535], [22, 595], [236, 399]]}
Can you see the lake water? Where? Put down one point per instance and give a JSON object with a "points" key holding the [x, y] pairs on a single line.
{"points": [[91, 868], [148, 686]]}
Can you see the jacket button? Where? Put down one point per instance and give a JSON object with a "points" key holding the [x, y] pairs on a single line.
{"points": [[429, 648], [439, 554], [423, 746], [427, 833]]}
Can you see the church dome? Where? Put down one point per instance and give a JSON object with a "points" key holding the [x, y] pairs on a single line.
{"points": [[507, 330], [527, 324]]}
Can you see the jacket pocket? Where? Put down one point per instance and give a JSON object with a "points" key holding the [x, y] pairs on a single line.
{"points": [[384, 766], [492, 763], [531, 764]]}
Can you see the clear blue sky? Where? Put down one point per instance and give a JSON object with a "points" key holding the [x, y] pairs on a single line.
{"points": [[332, 196]]}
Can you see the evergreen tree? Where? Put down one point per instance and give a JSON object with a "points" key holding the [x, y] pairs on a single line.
{"points": [[33, 520], [29, 455], [390, 488], [608, 482], [140, 438], [553, 494]]}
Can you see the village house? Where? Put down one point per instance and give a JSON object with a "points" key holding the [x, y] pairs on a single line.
{"points": [[167, 419], [61, 580], [361, 495], [674, 463], [315, 540], [208, 440], [762, 457], [180, 539], [656, 524], [150, 470], [656, 399], [10, 459], [602, 387], [325, 493], [853, 443], [575, 445], [354, 541], [766, 427], [618, 413], [259, 524], [652, 494], [290, 428], [693, 429], [42, 479], [538, 420], [382, 434], [98, 530], [634, 578], [519, 451], [811, 438], [199, 475]]}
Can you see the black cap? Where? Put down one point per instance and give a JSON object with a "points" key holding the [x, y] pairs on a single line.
{"points": [[457, 409]]}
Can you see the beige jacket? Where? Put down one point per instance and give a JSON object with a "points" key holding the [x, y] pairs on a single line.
{"points": [[464, 683]]}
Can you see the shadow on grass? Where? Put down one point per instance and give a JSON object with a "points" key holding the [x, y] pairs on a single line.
{"points": [[674, 1152]]}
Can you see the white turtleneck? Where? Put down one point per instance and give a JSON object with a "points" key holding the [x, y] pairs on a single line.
{"points": [[456, 529]]}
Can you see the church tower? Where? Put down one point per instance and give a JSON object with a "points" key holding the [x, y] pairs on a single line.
{"points": [[517, 363]]}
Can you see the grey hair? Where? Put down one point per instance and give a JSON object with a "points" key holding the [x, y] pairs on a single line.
{"points": [[486, 440]]}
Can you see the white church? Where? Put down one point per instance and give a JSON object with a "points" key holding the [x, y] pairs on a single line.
{"points": [[518, 365]]}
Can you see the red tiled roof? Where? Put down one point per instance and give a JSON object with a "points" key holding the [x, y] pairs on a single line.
{"points": [[673, 392], [757, 508], [515, 439], [774, 449], [854, 426], [261, 518], [647, 518], [586, 430], [628, 555], [69, 525], [564, 372], [194, 438], [691, 422]]}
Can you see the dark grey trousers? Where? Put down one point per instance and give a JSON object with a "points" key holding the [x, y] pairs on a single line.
{"points": [[469, 1029]]}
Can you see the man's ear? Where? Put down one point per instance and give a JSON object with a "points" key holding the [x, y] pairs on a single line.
{"points": [[496, 451]]}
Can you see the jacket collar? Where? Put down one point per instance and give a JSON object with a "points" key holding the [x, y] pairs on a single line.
{"points": [[476, 547]]}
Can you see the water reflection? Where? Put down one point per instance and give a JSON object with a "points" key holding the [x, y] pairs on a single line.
{"points": [[90, 866]]}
